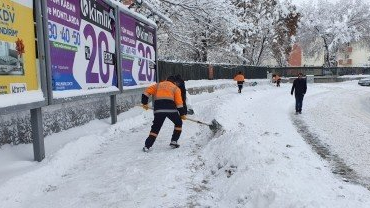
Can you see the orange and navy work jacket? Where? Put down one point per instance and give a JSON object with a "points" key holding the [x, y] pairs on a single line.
{"points": [[239, 79], [167, 98]]}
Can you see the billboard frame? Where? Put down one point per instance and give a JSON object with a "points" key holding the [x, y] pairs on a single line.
{"points": [[51, 99], [143, 20], [40, 69], [44, 74]]}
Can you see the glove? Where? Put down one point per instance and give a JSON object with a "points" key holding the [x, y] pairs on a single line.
{"points": [[146, 106], [183, 117]]}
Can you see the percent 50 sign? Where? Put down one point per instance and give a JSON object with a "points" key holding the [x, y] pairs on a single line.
{"points": [[66, 35]]}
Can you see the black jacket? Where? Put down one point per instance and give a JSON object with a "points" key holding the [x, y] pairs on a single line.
{"points": [[181, 84], [299, 86]]}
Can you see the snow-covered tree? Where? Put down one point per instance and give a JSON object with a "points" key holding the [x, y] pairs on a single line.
{"points": [[329, 26], [285, 31], [198, 27], [265, 31], [238, 31]]}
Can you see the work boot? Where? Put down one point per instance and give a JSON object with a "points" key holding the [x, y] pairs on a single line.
{"points": [[145, 149], [174, 144]]}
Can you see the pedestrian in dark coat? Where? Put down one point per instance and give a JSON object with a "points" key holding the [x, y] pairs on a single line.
{"points": [[299, 88]]}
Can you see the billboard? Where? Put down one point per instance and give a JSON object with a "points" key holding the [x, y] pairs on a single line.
{"points": [[82, 44], [138, 50], [18, 71]]}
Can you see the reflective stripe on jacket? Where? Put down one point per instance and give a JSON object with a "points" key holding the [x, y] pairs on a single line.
{"points": [[167, 97]]}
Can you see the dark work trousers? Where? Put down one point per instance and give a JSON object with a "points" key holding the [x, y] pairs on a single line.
{"points": [[298, 102], [278, 83], [157, 125], [240, 86]]}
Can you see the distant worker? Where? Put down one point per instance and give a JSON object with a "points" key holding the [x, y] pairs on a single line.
{"points": [[276, 78], [299, 87], [239, 78], [167, 104]]}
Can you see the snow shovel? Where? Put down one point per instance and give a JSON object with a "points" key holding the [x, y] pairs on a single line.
{"points": [[214, 126]]}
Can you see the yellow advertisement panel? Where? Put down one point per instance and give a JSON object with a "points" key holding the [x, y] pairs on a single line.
{"points": [[17, 47]]}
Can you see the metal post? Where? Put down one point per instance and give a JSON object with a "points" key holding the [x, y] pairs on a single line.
{"points": [[113, 108], [37, 134], [156, 57], [41, 47], [118, 50], [46, 42]]}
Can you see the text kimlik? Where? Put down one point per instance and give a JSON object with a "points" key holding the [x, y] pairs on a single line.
{"points": [[94, 12]]}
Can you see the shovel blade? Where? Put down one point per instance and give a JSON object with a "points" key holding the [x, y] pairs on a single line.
{"points": [[215, 126]]}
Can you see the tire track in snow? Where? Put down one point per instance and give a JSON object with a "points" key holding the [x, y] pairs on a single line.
{"points": [[350, 111], [339, 167]]}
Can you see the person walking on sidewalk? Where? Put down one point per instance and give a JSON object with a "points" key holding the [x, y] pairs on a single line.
{"points": [[299, 87], [239, 78], [167, 104]]}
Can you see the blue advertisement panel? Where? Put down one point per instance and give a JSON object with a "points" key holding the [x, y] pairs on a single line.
{"points": [[82, 44], [138, 49]]}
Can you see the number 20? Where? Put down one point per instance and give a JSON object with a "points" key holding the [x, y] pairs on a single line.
{"points": [[92, 77], [146, 53]]}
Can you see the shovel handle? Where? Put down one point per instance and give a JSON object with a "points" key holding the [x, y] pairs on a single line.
{"points": [[196, 121], [190, 119]]}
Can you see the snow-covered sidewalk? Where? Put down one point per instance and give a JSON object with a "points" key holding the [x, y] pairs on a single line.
{"points": [[259, 161]]}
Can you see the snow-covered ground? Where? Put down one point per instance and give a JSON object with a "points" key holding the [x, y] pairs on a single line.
{"points": [[262, 159]]}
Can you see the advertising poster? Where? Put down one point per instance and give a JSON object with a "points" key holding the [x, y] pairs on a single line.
{"points": [[138, 48], [82, 44], [17, 47]]}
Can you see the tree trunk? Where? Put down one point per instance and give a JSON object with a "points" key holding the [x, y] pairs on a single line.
{"points": [[204, 53], [261, 51], [327, 53]]}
